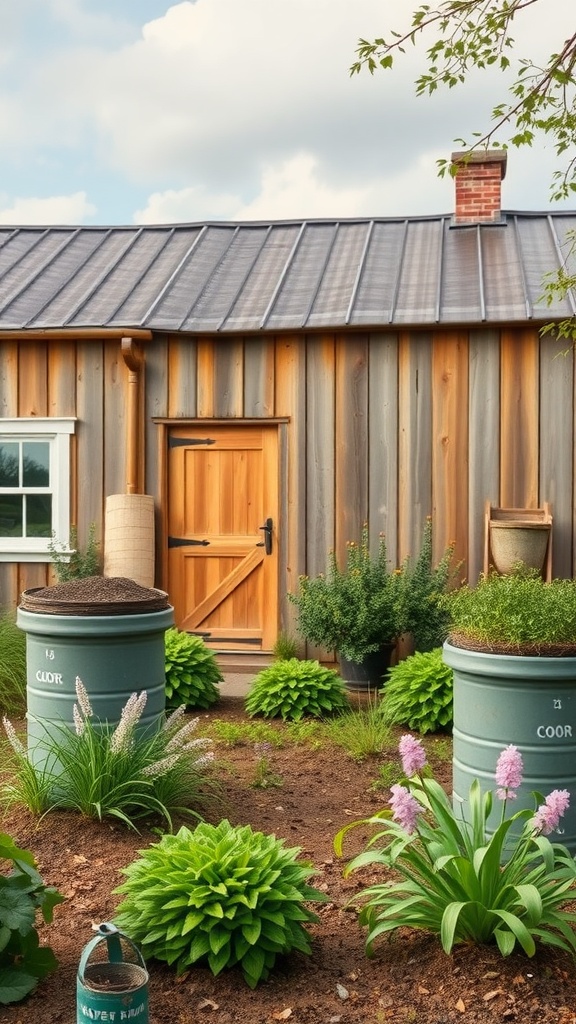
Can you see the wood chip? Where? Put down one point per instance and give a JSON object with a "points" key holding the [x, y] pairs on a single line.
{"points": [[493, 994], [283, 1014], [461, 1006]]}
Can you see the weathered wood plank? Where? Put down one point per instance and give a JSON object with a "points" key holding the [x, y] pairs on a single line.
{"points": [[483, 440], [414, 439], [182, 379], [228, 377], [383, 442], [8, 378], [115, 391], [556, 448], [88, 506], [519, 419], [290, 400], [258, 377], [205, 378], [62, 378], [33, 379], [450, 444], [351, 477], [320, 456]]}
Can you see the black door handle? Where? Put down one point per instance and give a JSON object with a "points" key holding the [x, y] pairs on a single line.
{"points": [[267, 542]]}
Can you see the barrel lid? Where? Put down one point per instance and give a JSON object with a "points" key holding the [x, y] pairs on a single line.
{"points": [[94, 595]]}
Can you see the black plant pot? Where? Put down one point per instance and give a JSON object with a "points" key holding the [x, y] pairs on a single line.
{"points": [[368, 674]]}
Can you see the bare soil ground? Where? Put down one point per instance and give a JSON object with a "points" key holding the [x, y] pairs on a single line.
{"points": [[409, 979]]}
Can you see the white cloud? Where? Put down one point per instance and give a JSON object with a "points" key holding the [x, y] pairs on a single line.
{"points": [[72, 209], [226, 109]]}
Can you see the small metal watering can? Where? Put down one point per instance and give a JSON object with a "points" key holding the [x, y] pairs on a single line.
{"points": [[112, 990]]}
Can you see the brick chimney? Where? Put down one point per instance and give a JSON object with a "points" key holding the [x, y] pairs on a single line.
{"points": [[478, 186]]}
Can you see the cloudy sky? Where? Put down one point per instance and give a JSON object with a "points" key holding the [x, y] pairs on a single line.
{"points": [[143, 111]]}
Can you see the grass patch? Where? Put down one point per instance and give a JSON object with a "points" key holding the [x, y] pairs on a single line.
{"points": [[12, 665], [244, 734], [362, 733]]}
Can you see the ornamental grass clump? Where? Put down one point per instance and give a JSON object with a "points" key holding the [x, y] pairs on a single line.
{"points": [[191, 671], [292, 689], [458, 880], [219, 896], [418, 693], [103, 770], [518, 614]]}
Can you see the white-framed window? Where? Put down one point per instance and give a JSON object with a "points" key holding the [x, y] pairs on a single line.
{"points": [[34, 486]]}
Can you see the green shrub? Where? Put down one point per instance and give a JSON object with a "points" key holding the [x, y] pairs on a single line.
{"points": [[419, 693], [221, 896], [291, 689], [23, 962], [12, 665], [191, 671], [354, 609], [78, 564], [426, 616]]}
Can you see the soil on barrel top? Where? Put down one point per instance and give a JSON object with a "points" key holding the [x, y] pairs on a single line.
{"points": [[409, 979]]}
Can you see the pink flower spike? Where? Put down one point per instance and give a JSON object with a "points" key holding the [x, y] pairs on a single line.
{"points": [[509, 772], [547, 817], [413, 755], [405, 808]]}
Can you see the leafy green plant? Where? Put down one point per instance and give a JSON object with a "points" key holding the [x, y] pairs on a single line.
{"points": [[219, 895], [286, 647], [515, 614], [356, 609], [426, 617], [104, 771], [292, 689], [73, 563], [363, 732], [389, 773], [419, 693], [12, 665], [458, 880], [23, 962], [191, 671]]}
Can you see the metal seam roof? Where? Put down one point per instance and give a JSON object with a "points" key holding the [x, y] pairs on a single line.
{"points": [[283, 275]]}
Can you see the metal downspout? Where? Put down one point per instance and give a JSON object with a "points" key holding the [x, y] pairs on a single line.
{"points": [[133, 356]]}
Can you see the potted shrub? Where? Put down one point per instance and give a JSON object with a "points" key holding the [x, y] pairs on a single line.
{"points": [[512, 649], [357, 610]]}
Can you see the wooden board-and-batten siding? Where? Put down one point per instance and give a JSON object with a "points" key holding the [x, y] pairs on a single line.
{"points": [[384, 426]]}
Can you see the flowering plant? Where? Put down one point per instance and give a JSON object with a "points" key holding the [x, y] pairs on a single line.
{"points": [[456, 879]]}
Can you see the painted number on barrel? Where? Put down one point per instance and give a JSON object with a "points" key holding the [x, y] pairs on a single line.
{"points": [[50, 654], [557, 705]]}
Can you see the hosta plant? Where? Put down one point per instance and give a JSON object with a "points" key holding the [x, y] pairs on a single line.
{"points": [[418, 693], [220, 896], [191, 671], [291, 689], [455, 878], [23, 962]]}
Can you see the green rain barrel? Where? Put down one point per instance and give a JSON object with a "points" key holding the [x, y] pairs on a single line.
{"points": [[527, 701], [107, 631]]}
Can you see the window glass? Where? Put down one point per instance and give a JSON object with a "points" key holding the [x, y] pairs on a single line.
{"points": [[38, 515], [36, 464], [11, 515], [9, 461]]}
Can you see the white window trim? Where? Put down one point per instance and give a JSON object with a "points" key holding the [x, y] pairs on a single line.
{"points": [[57, 430]]}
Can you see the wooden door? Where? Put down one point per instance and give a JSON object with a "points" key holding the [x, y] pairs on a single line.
{"points": [[222, 563]]}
